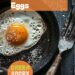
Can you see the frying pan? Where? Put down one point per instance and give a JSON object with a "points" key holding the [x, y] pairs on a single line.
{"points": [[44, 50]]}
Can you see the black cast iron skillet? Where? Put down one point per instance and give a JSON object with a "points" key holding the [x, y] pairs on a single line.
{"points": [[47, 45]]}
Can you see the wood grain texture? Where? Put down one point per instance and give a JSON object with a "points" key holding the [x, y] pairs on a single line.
{"points": [[53, 68]]}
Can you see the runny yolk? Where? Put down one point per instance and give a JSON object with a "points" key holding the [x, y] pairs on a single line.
{"points": [[16, 34]]}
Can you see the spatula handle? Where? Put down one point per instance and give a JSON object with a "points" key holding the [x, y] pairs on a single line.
{"points": [[53, 68]]}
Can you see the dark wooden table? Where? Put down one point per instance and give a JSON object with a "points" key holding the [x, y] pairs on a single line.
{"points": [[67, 64]]}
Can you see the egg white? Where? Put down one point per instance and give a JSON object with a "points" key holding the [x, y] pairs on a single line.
{"points": [[34, 23]]}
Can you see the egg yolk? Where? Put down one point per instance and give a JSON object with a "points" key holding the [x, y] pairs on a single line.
{"points": [[16, 34]]}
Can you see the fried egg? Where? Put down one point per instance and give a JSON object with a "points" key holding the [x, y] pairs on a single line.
{"points": [[19, 31]]}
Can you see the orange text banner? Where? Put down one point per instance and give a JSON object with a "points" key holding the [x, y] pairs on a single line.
{"points": [[40, 5]]}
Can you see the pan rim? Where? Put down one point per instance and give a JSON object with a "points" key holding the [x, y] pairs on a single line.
{"points": [[46, 13]]}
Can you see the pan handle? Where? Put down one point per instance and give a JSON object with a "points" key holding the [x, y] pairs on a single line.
{"points": [[53, 68]]}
